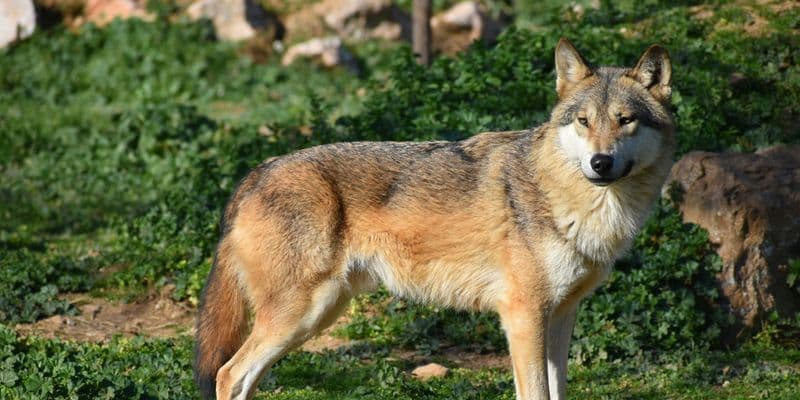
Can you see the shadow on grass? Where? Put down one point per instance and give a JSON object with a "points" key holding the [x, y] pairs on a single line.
{"points": [[365, 371]]}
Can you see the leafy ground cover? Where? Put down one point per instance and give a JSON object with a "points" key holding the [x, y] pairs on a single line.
{"points": [[147, 368], [120, 145]]}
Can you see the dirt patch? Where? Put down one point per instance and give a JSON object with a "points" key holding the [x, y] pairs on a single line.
{"points": [[159, 316], [466, 359], [701, 12], [451, 356], [779, 6], [457, 357], [754, 25], [101, 319]]}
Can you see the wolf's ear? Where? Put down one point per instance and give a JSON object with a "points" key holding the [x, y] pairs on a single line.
{"points": [[570, 66], [654, 71]]}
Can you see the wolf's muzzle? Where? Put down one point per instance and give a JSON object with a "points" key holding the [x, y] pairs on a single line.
{"points": [[604, 179], [602, 164]]}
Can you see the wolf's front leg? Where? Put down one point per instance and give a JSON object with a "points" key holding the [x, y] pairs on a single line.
{"points": [[559, 329], [526, 330]]}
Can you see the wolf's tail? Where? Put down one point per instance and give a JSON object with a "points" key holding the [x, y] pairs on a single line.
{"points": [[221, 322]]}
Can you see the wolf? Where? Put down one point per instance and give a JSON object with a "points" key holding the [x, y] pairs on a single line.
{"points": [[523, 223]]}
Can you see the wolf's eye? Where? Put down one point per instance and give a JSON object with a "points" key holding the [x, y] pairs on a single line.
{"points": [[626, 120], [583, 121]]}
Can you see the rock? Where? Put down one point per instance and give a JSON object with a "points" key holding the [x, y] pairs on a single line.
{"points": [[235, 20], [429, 371], [101, 12], [351, 19], [329, 51], [365, 19], [750, 205], [17, 20], [455, 29], [305, 23]]}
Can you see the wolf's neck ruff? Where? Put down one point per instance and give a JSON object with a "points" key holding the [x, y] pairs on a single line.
{"points": [[600, 222]]}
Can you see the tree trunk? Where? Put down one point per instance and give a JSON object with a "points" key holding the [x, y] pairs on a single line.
{"points": [[422, 31]]}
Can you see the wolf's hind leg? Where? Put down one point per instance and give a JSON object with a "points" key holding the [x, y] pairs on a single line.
{"points": [[278, 328]]}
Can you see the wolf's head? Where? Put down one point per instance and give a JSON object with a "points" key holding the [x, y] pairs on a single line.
{"points": [[612, 122]]}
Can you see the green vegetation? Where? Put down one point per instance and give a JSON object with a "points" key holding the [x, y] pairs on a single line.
{"points": [[145, 369], [120, 145]]}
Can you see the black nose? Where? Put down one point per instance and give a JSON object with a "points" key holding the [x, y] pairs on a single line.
{"points": [[602, 163]]}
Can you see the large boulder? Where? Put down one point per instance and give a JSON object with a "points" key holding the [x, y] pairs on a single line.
{"points": [[17, 20], [235, 20], [351, 19], [750, 205], [456, 28], [364, 19]]}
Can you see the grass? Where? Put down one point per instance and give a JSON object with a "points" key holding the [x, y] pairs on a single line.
{"points": [[120, 146], [147, 368]]}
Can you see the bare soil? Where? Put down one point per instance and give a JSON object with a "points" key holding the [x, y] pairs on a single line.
{"points": [[451, 356], [755, 25], [457, 357], [159, 316], [100, 319]]}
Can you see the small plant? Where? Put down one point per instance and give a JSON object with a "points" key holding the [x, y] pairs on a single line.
{"points": [[794, 272]]}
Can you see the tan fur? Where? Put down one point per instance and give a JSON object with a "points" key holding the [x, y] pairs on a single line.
{"points": [[503, 221]]}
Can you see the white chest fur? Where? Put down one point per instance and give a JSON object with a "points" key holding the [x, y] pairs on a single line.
{"points": [[592, 239], [566, 268], [603, 230]]}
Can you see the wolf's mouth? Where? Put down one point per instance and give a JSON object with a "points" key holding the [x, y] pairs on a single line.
{"points": [[608, 181]]}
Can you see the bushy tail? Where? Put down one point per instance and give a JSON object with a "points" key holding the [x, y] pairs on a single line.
{"points": [[221, 323]]}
